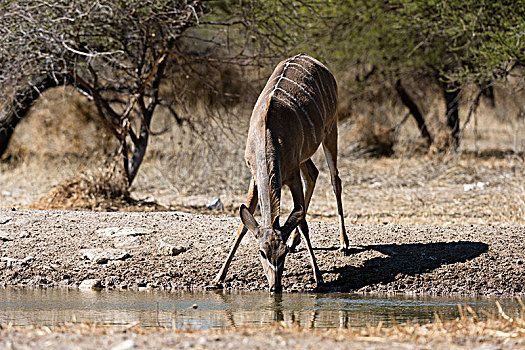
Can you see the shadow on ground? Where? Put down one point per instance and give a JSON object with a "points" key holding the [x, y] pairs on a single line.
{"points": [[401, 260]]}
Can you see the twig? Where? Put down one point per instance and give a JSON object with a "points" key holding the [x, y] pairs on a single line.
{"points": [[516, 322]]}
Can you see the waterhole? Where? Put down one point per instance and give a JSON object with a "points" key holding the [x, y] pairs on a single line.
{"points": [[230, 309]]}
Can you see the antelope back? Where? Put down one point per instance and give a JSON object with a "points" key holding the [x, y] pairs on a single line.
{"points": [[291, 117], [301, 94]]}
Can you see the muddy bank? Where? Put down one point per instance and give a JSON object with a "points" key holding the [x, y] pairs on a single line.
{"points": [[179, 250]]}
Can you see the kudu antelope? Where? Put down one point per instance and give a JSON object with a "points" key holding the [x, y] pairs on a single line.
{"points": [[294, 114]]}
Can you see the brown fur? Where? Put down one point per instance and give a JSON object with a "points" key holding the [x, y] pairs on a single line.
{"points": [[294, 114]]}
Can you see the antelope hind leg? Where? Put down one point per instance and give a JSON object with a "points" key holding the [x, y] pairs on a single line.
{"points": [[330, 152]]}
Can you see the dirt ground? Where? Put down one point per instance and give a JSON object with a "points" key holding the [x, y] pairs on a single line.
{"points": [[183, 250], [442, 224]]}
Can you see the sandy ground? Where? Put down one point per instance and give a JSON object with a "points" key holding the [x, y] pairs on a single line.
{"points": [[182, 250]]}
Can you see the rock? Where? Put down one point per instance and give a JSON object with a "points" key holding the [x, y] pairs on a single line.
{"points": [[5, 236], [477, 186], [125, 345], [90, 284], [126, 242], [10, 262], [112, 232], [103, 255], [168, 249], [5, 219], [124, 237], [215, 204], [375, 184]]}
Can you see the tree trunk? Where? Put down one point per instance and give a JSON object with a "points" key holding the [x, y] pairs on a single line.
{"points": [[140, 143], [414, 110], [451, 95], [139, 151], [488, 92], [21, 105]]}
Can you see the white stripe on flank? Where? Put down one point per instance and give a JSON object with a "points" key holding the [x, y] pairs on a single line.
{"points": [[332, 97], [281, 76], [322, 85], [309, 96], [286, 103], [316, 86], [302, 109], [293, 64]]}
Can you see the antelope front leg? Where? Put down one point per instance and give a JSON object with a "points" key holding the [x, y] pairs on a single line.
{"points": [[310, 174], [241, 231], [298, 199]]}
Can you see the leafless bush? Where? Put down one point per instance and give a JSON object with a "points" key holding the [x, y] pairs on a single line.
{"points": [[368, 138], [119, 54], [115, 52]]}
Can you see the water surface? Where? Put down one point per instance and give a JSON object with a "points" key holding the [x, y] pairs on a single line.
{"points": [[224, 309]]}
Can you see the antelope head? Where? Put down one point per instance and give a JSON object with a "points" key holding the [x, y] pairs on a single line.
{"points": [[272, 244]]}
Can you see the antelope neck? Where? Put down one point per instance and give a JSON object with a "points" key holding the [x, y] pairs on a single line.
{"points": [[269, 181]]}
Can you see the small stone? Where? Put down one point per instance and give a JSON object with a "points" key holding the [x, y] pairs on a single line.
{"points": [[91, 284], [171, 250], [125, 345], [5, 236], [5, 219], [102, 256], [195, 306], [10, 262], [113, 232], [215, 204]]}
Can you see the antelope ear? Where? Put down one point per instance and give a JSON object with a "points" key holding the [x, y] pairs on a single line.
{"points": [[248, 220], [293, 220]]}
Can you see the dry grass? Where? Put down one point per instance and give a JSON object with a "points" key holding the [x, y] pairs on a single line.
{"points": [[102, 190], [368, 138], [184, 169]]}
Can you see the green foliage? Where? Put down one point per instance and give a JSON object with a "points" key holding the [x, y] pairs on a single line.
{"points": [[462, 40], [476, 41], [466, 41]]}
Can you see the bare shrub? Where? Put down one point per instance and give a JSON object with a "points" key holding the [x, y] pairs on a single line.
{"points": [[368, 138], [115, 52], [62, 122], [101, 190]]}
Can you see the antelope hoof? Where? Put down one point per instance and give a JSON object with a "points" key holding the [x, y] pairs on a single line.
{"points": [[216, 284], [319, 280], [345, 251], [292, 249]]}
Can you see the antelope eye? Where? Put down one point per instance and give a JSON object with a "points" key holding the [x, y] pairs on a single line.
{"points": [[263, 255]]}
